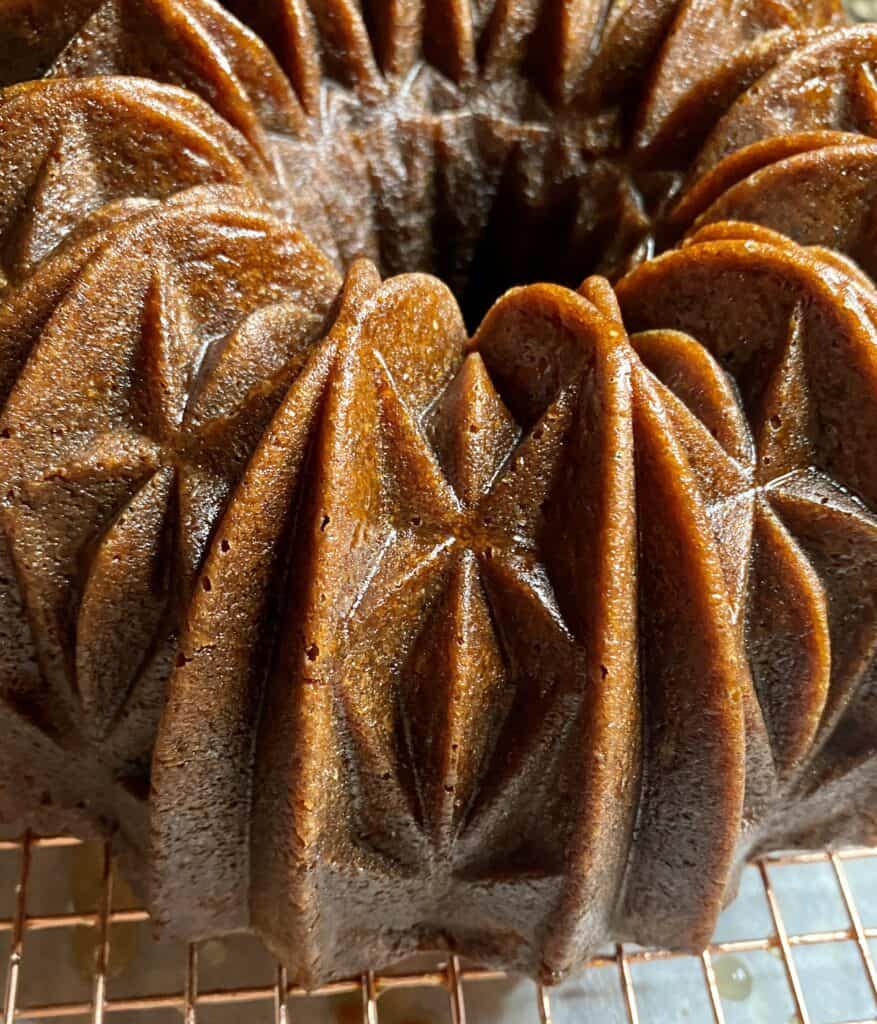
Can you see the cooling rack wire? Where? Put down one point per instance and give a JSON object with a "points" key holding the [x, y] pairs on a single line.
{"points": [[849, 935]]}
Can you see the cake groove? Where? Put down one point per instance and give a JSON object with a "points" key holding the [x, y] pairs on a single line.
{"points": [[123, 493]]}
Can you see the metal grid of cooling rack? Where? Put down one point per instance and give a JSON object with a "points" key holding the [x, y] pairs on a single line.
{"points": [[451, 977]]}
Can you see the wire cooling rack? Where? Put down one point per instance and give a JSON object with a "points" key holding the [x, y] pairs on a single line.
{"points": [[798, 945]]}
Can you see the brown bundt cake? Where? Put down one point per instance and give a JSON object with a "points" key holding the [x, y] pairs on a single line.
{"points": [[371, 636]]}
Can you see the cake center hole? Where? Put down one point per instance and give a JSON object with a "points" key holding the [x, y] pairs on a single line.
{"points": [[487, 199], [540, 217]]}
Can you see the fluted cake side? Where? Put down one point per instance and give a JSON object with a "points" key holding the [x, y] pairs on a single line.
{"points": [[558, 627]]}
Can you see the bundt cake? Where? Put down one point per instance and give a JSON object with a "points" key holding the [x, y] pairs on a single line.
{"points": [[372, 594]]}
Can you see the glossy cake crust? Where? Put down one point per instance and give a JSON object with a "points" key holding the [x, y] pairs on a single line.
{"points": [[371, 605]]}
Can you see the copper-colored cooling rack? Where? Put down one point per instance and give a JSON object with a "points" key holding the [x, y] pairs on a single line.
{"points": [[450, 981]]}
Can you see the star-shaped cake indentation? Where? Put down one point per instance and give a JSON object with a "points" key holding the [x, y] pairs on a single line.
{"points": [[108, 518]]}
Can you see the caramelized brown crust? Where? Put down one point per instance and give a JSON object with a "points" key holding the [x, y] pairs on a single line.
{"points": [[371, 636], [161, 330], [600, 517]]}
